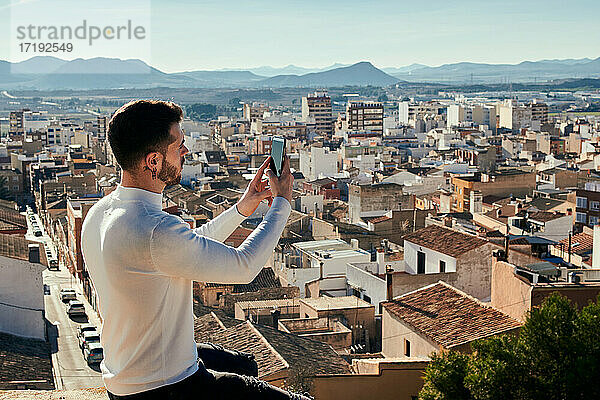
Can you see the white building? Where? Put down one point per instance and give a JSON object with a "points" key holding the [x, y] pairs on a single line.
{"points": [[318, 162], [21, 289], [306, 261]]}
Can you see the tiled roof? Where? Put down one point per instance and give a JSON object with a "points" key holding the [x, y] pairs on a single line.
{"points": [[380, 219], [207, 325], [273, 350], [544, 216], [238, 236], [201, 310], [23, 359], [448, 316], [303, 354], [11, 219], [18, 247], [443, 240], [265, 279], [243, 337], [580, 243]]}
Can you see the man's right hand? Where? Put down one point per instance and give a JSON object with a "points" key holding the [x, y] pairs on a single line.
{"points": [[282, 185]]}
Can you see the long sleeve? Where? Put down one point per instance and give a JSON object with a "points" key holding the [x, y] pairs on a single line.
{"points": [[179, 251], [221, 227]]}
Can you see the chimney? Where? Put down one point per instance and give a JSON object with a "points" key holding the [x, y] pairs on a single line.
{"points": [[354, 242], [388, 280], [380, 259], [275, 314], [34, 253], [596, 247]]}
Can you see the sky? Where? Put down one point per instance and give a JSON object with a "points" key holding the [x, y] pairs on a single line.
{"points": [[185, 35]]}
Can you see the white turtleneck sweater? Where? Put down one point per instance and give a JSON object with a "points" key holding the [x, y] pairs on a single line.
{"points": [[142, 262]]}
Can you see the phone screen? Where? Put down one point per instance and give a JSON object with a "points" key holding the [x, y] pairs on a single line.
{"points": [[277, 153]]}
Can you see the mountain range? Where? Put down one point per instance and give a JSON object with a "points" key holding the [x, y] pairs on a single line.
{"points": [[52, 73]]}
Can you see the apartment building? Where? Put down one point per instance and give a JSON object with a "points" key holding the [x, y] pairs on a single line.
{"points": [[365, 116], [501, 183], [254, 111], [316, 108]]}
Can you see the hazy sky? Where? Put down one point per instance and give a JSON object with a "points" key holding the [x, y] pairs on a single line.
{"points": [[187, 35]]}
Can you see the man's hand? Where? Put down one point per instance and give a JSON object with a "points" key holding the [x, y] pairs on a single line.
{"points": [[256, 192], [282, 185]]}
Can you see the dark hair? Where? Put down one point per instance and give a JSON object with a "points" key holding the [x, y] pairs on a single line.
{"points": [[140, 127]]}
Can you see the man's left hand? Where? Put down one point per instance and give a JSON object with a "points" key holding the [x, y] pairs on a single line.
{"points": [[256, 191]]}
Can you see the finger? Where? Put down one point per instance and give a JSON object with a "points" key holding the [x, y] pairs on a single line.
{"points": [[261, 170], [286, 165], [264, 194]]}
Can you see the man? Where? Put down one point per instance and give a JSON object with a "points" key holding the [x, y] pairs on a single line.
{"points": [[142, 262]]}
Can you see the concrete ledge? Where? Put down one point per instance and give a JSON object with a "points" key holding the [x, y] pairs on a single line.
{"points": [[83, 394]]}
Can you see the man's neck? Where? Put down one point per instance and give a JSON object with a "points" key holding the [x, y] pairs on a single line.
{"points": [[151, 185]]}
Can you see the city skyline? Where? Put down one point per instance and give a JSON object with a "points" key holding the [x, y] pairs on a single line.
{"points": [[316, 35]]}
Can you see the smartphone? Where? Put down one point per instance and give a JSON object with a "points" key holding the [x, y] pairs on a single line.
{"points": [[277, 154]]}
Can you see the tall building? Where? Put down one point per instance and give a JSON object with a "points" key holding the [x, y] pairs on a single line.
{"points": [[409, 112], [539, 111], [365, 116], [317, 107], [102, 124], [16, 126], [253, 112]]}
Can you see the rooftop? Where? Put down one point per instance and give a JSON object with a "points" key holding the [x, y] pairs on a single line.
{"points": [[24, 363], [335, 303], [445, 241], [544, 216], [274, 350], [448, 316], [332, 248]]}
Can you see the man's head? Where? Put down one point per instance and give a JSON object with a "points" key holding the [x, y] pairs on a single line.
{"points": [[146, 138]]}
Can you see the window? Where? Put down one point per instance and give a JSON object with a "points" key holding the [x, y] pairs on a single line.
{"points": [[581, 217], [595, 205], [367, 299], [581, 202], [219, 295], [442, 266], [593, 220], [406, 348]]}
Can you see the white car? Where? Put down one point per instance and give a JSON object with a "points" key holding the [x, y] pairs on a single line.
{"points": [[68, 294], [75, 307]]}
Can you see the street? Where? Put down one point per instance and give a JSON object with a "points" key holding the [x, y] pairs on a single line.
{"points": [[71, 370]]}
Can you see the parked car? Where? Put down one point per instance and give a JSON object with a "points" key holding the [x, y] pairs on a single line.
{"points": [[85, 328], [75, 307], [46, 289], [88, 337], [68, 294], [53, 264], [93, 353]]}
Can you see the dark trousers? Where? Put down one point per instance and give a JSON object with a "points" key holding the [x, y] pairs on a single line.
{"points": [[222, 374]]}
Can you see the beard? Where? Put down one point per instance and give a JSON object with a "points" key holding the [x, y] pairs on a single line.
{"points": [[169, 173]]}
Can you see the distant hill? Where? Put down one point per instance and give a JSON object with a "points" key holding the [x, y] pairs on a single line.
{"points": [[360, 74], [269, 71], [51, 73], [527, 71], [221, 78], [38, 65]]}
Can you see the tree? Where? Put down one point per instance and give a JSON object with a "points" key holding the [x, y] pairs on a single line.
{"points": [[556, 355], [444, 377]]}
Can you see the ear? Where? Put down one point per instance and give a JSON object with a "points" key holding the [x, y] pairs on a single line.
{"points": [[153, 160]]}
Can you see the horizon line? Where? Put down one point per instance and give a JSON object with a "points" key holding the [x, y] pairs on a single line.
{"points": [[232, 69]]}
